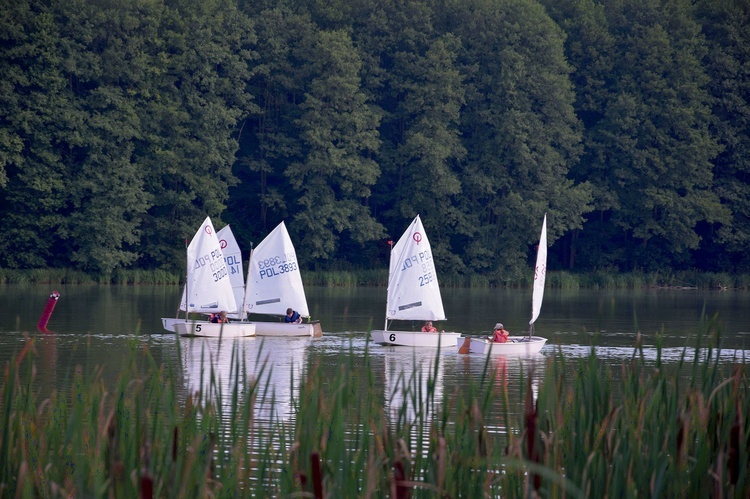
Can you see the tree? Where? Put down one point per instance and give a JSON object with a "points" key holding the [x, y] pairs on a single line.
{"points": [[429, 151], [520, 133], [726, 25], [339, 136], [194, 99], [651, 151], [43, 122], [413, 77], [269, 138], [589, 48]]}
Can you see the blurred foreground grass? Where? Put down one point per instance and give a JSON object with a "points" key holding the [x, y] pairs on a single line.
{"points": [[584, 435]]}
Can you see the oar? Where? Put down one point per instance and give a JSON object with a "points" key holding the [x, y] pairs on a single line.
{"points": [[465, 347]]}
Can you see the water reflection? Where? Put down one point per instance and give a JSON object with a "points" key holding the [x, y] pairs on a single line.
{"points": [[413, 383], [509, 377], [215, 367], [97, 326], [650, 353]]}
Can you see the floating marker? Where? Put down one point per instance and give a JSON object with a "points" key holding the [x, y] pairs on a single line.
{"points": [[44, 319]]}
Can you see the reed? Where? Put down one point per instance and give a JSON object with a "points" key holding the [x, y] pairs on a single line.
{"points": [[45, 276], [346, 278], [561, 279], [146, 277], [589, 432]]}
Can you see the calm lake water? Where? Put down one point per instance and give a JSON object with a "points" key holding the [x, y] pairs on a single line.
{"points": [[95, 326]]}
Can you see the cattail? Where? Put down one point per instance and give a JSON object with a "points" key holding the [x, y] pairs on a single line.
{"points": [[680, 438], [147, 486], [733, 462], [175, 434], [399, 477], [532, 450], [317, 475]]}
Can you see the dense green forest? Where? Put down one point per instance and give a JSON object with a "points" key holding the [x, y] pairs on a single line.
{"points": [[124, 123]]}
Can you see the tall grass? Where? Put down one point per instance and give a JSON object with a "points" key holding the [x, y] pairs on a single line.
{"points": [[562, 279], [586, 435], [346, 278]]}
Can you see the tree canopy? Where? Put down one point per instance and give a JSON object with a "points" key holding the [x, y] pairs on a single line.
{"points": [[123, 124]]}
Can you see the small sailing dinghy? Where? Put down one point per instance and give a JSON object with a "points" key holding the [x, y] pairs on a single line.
{"points": [[233, 260], [274, 284], [518, 345], [413, 292], [208, 290]]}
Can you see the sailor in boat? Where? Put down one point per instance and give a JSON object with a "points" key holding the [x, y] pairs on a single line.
{"points": [[500, 335], [292, 316], [429, 328], [220, 318]]}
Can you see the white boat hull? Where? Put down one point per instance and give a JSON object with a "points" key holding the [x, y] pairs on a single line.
{"points": [[169, 322], [312, 329], [213, 330], [516, 345], [415, 339]]}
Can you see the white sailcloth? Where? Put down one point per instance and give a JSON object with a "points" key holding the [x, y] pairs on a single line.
{"points": [[274, 280], [540, 274], [209, 289], [233, 259], [413, 289]]}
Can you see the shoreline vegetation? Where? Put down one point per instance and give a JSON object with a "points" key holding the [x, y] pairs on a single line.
{"points": [[590, 432], [604, 279]]}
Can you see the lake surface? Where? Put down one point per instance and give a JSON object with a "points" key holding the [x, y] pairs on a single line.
{"points": [[96, 326]]}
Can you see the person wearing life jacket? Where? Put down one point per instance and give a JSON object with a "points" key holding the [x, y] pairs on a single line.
{"points": [[500, 335], [292, 316], [220, 318], [429, 328]]}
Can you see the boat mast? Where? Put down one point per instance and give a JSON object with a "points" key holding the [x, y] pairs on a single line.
{"points": [[540, 276], [243, 314], [387, 289], [187, 280]]}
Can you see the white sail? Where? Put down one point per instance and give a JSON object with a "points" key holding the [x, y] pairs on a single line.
{"points": [[274, 280], [413, 289], [540, 274], [233, 259], [208, 286]]}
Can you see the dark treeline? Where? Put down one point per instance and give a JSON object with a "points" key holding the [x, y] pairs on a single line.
{"points": [[124, 123]]}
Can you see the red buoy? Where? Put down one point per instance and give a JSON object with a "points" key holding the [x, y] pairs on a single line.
{"points": [[44, 319]]}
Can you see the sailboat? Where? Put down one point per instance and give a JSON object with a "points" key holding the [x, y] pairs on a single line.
{"points": [[208, 290], [413, 292], [233, 260], [518, 345], [274, 284]]}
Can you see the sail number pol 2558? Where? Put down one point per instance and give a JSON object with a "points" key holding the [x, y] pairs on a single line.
{"points": [[423, 259]]}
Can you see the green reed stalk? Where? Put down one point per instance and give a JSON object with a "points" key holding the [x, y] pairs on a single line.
{"points": [[590, 431]]}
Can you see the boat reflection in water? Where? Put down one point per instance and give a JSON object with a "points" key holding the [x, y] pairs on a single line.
{"points": [[511, 376], [272, 365], [412, 384], [413, 390]]}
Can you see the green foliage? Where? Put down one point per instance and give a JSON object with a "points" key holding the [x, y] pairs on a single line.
{"points": [[122, 125], [581, 432], [520, 133], [649, 147], [726, 25], [338, 133]]}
